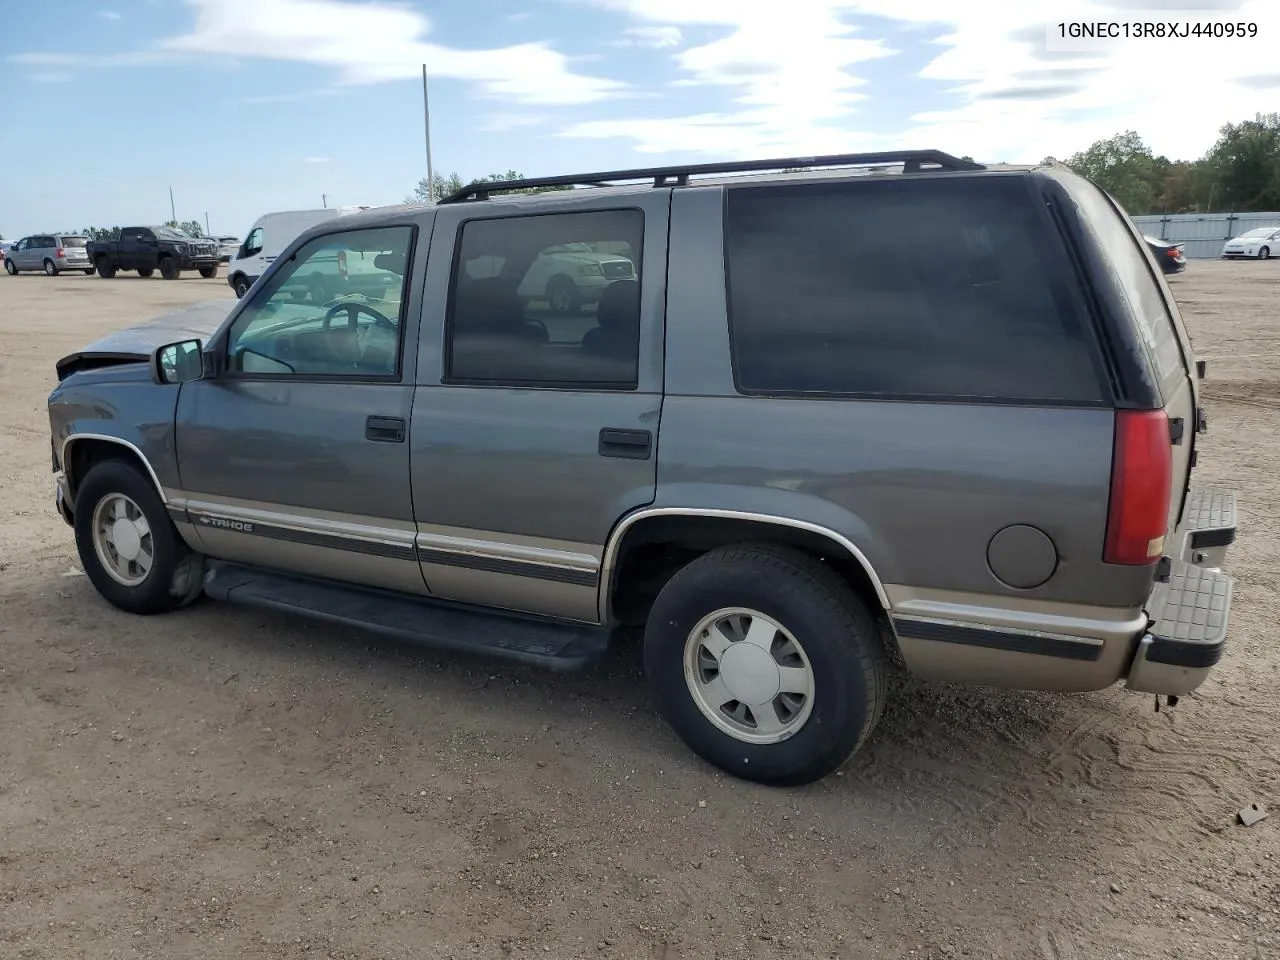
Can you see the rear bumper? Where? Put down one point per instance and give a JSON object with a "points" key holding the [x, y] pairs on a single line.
{"points": [[1191, 611]]}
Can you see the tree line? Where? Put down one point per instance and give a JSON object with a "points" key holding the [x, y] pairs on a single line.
{"points": [[191, 228], [1240, 173], [451, 184]]}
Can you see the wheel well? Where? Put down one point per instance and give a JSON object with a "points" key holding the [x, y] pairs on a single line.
{"points": [[655, 548], [84, 455]]}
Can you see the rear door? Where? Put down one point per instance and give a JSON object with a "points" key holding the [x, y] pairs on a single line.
{"points": [[534, 429], [1160, 327]]}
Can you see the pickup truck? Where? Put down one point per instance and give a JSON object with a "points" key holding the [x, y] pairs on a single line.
{"points": [[147, 249]]}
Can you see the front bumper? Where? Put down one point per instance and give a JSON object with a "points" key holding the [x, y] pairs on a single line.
{"points": [[1189, 611], [195, 263]]}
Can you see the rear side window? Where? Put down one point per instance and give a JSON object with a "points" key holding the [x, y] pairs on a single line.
{"points": [[1134, 276], [938, 288]]}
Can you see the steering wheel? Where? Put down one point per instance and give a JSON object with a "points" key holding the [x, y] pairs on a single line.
{"points": [[353, 309]]}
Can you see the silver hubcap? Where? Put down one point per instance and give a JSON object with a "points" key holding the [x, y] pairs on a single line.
{"points": [[748, 675], [122, 539]]}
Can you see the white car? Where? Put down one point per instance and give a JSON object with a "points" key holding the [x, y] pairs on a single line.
{"points": [[228, 247], [1260, 243]]}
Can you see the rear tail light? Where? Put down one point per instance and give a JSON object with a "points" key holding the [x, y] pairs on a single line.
{"points": [[61, 252], [1141, 478]]}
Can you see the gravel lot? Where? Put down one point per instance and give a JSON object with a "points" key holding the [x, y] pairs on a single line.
{"points": [[225, 783]]}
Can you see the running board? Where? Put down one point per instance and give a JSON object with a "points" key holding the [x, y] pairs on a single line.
{"points": [[552, 645]]}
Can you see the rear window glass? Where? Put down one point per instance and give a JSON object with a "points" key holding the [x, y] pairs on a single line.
{"points": [[74, 241], [1134, 275], [937, 288]]}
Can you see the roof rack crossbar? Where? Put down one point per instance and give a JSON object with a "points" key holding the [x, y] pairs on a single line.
{"points": [[913, 161]]}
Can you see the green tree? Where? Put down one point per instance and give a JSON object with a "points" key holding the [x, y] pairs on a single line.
{"points": [[191, 228], [101, 233], [1124, 166], [444, 186], [1245, 164]]}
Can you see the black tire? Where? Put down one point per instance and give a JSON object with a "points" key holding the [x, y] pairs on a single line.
{"points": [[562, 296], [209, 272], [176, 574], [145, 272], [169, 268], [9, 267], [106, 269], [50, 268], [826, 617], [88, 271], [240, 284], [1264, 253]]}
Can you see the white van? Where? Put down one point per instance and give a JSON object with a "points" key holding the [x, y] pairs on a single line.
{"points": [[271, 233]]}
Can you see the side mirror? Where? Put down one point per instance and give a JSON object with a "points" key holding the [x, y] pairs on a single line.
{"points": [[179, 362]]}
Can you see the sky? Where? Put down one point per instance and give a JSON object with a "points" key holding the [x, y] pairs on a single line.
{"points": [[248, 106]]}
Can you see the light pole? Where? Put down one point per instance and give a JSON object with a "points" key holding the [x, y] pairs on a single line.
{"points": [[426, 127]]}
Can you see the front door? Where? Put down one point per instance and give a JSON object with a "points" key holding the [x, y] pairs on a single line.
{"points": [[23, 253], [297, 457], [535, 426]]}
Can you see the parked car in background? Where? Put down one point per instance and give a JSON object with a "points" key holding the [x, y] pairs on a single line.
{"points": [[786, 448], [269, 235], [1259, 244], [227, 248], [51, 253], [1168, 254], [147, 249]]}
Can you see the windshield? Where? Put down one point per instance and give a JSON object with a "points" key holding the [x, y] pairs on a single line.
{"points": [[169, 233], [1262, 232]]}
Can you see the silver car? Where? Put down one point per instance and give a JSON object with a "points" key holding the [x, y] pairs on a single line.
{"points": [[51, 252]]}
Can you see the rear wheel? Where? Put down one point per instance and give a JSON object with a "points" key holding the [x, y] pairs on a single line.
{"points": [[106, 269], [169, 268], [1264, 253], [50, 268], [130, 549], [88, 271], [146, 271], [9, 267], [766, 663], [209, 272], [240, 284]]}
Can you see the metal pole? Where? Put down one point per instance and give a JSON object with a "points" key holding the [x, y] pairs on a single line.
{"points": [[324, 200], [172, 212], [426, 127], [207, 231]]}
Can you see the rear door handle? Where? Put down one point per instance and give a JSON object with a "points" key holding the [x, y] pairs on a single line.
{"points": [[384, 429], [626, 444]]}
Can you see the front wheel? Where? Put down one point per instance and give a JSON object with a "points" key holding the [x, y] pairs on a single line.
{"points": [[9, 267], [562, 296], [1264, 253], [145, 272], [766, 663], [169, 268], [88, 271], [50, 268], [129, 547], [209, 272], [241, 286]]}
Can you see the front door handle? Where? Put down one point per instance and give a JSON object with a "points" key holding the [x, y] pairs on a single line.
{"points": [[626, 444], [384, 429]]}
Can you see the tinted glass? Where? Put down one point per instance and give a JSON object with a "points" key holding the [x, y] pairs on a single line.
{"points": [[548, 300], [336, 308], [1134, 274], [74, 241], [933, 288]]}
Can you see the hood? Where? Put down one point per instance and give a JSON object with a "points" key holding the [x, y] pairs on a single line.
{"points": [[134, 344]]}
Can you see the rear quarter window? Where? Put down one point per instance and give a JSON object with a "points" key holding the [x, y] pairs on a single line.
{"points": [[935, 288]]}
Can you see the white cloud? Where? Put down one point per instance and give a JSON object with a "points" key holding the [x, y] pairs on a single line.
{"points": [[656, 37], [139, 58], [506, 122], [316, 159], [109, 14], [49, 76], [377, 42], [795, 87]]}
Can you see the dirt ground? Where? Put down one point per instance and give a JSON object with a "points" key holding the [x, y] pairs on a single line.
{"points": [[226, 783]]}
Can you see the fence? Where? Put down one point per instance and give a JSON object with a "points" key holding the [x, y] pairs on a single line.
{"points": [[1203, 234]]}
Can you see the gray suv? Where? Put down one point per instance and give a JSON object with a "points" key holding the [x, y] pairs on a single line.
{"points": [[792, 446], [50, 253]]}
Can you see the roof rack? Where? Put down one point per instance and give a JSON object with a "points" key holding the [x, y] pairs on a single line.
{"points": [[913, 161]]}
